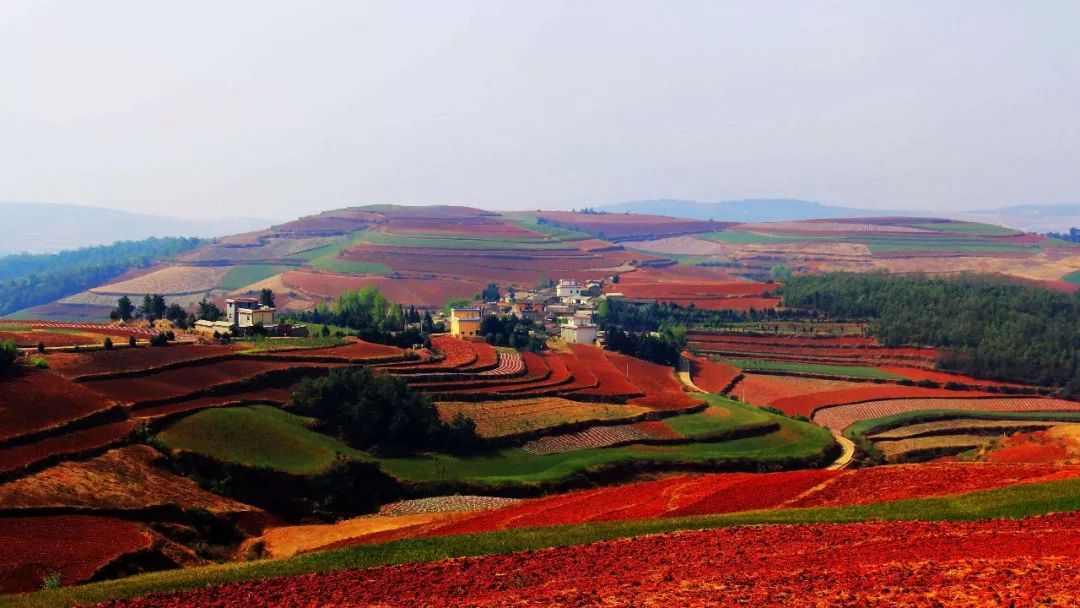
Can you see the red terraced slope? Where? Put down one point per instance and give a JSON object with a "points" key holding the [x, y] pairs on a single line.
{"points": [[69, 445], [612, 382], [75, 546], [38, 400], [662, 389], [806, 405], [131, 359], [986, 563], [711, 376]]}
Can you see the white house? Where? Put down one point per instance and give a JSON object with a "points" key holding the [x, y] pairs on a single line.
{"points": [[567, 288]]}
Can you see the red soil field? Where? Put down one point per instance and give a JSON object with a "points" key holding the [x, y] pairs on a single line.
{"points": [[579, 369], [559, 376], [725, 303], [657, 429], [458, 352], [612, 381], [274, 396], [1038, 446], [767, 389], [29, 339], [985, 563], [73, 365], [662, 389], [356, 350], [64, 446], [941, 377], [75, 546], [183, 381], [842, 416], [806, 405], [486, 357], [633, 289], [38, 400], [536, 371], [711, 376], [427, 292], [901, 482]]}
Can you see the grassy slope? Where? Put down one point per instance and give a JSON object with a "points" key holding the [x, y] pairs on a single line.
{"points": [[810, 368], [259, 435], [976, 228], [513, 465], [1072, 277], [529, 222], [1010, 502], [246, 274]]}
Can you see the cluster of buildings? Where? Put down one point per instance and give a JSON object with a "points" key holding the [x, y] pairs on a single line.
{"points": [[569, 306], [243, 315]]}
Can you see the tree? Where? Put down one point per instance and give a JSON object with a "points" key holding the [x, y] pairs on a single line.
{"points": [[490, 293], [158, 305], [124, 310], [266, 297], [376, 411], [8, 353], [146, 309], [107, 344], [208, 310], [454, 303], [177, 315], [132, 342]]}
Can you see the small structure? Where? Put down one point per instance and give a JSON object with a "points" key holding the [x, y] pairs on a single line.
{"points": [[575, 331], [567, 288], [210, 328], [465, 322]]}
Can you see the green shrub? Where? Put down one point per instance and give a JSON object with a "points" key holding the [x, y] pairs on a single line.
{"points": [[40, 347], [8, 353], [159, 339], [39, 363]]}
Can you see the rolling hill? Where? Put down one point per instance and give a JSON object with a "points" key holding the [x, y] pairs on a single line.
{"points": [[424, 256]]}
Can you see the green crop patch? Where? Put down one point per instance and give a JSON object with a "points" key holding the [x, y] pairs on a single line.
{"points": [[257, 436], [246, 274], [754, 365]]}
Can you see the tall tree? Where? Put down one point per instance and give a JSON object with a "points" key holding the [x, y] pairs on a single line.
{"points": [[208, 310], [266, 297], [124, 310]]}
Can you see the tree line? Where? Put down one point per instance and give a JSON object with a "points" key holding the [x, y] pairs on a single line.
{"points": [[29, 280], [373, 317], [989, 327]]}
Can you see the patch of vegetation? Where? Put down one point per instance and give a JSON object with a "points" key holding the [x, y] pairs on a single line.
{"points": [[531, 222], [1072, 277], [246, 274], [721, 416], [1012, 502], [796, 443], [29, 280], [378, 412], [753, 365], [442, 242], [257, 436], [991, 328], [8, 354], [968, 228]]}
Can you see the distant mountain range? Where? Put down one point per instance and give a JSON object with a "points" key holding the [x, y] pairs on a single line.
{"points": [[1030, 218], [50, 227]]}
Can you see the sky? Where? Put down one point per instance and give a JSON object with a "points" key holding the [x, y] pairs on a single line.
{"points": [[278, 109]]}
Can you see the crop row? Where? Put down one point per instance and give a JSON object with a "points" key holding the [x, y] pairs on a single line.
{"points": [[840, 417]]}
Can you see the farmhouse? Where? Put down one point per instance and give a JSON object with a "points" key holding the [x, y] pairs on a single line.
{"points": [[465, 322], [577, 331], [567, 288]]}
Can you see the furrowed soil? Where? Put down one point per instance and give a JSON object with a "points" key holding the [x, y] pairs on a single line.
{"points": [[996, 562]]}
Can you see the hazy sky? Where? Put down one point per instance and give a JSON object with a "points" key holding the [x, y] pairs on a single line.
{"points": [[276, 109]]}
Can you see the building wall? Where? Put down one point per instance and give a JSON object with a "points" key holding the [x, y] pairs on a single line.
{"points": [[465, 328]]}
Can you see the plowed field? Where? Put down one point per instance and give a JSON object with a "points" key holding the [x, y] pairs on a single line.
{"points": [[842, 416], [986, 563], [38, 400]]}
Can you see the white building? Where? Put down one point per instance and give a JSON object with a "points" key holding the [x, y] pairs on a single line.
{"points": [[246, 312], [567, 288], [576, 331]]}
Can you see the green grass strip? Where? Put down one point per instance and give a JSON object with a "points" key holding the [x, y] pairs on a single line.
{"points": [[1014, 502], [246, 274], [752, 365], [257, 436]]}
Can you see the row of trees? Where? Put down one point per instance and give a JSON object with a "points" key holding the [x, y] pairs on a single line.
{"points": [[29, 280], [653, 332], [990, 327], [511, 331], [373, 317], [381, 413]]}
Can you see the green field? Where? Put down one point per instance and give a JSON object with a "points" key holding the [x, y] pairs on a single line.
{"points": [[6, 327], [256, 436], [722, 415], [529, 222], [379, 238], [1012, 502], [512, 466], [753, 365], [740, 237], [261, 345], [246, 274], [968, 228], [1072, 277]]}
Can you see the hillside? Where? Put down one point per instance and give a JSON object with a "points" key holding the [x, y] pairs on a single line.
{"points": [[49, 227], [424, 256]]}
